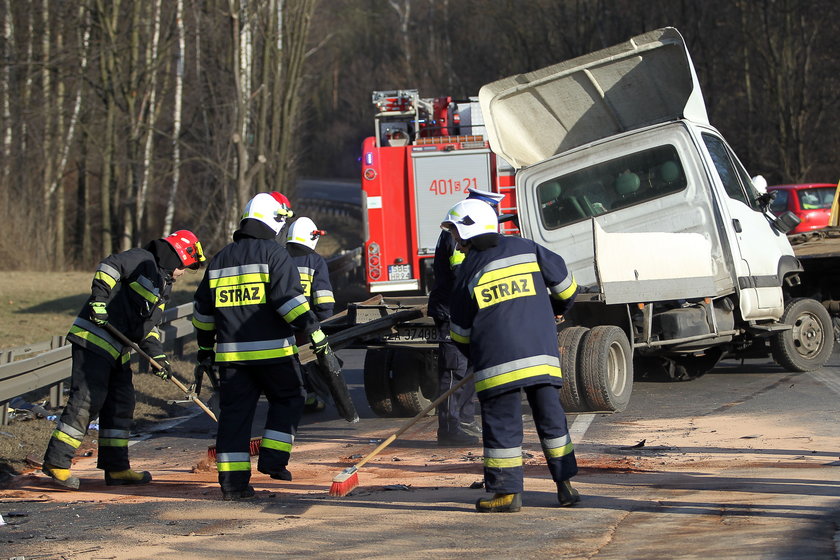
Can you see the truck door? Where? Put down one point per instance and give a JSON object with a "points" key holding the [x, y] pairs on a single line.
{"points": [[757, 247]]}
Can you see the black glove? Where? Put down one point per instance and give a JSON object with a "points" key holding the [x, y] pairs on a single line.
{"points": [[198, 374], [165, 371], [319, 342], [98, 313]]}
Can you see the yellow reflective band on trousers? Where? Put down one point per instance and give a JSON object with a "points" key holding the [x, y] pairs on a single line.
{"points": [[557, 447], [226, 462], [280, 441], [71, 441], [113, 442], [503, 458]]}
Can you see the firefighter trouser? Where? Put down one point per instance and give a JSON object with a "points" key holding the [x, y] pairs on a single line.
{"points": [[99, 386], [240, 388], [452, 367], [501, 417]]}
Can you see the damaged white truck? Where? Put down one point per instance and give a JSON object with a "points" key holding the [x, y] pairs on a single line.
{"points": [[679, 262]]}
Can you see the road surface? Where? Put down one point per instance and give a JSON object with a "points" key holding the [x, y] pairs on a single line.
{"points": [[741, 463]]}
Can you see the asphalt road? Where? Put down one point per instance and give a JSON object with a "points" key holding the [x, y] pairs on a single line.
{"points": [[741, 463]]}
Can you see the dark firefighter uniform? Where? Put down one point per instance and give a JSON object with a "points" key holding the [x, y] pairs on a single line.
{"points": [[247, 305], [136, 290], [314, 278], [459, 408], [507, 292]]}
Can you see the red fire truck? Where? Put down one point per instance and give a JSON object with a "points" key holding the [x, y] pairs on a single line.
{"points": [[423, 156]]}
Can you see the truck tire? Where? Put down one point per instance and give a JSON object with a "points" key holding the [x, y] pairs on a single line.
{"points": [[808, 345], [415, 380], [568, 341], [606, 369], [377, 377]]}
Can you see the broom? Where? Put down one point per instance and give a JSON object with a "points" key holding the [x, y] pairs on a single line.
{"points": [[348, 479], [254, 446]]}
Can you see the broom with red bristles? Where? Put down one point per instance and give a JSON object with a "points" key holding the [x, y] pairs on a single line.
{"points": [[348, 479]]}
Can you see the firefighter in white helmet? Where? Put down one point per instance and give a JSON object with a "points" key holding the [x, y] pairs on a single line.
{"points": [[247, 309], [506, 297], [301, 239], [456, 415], [129, 291]]}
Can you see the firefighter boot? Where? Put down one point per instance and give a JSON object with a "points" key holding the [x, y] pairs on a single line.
{"points": [[282, 473], [61, 477], [500, 503], [566, 495], [128, 476], [236, 495]]}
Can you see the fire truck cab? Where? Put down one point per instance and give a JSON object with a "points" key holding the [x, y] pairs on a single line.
{"points": [[423, 156]]}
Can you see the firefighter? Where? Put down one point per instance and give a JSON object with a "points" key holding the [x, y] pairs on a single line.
{"points": [[129, 291], [314, 274], [456, 415], [506, 296], [247, 308], [301, 239]]}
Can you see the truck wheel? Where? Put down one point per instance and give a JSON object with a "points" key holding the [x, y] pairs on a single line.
{"points": [[377, 376], [568, 341], [808, 345], [606, 368], [415, 380]]}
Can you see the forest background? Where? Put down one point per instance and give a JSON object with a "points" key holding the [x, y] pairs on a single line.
{"points": [[122, 120]]}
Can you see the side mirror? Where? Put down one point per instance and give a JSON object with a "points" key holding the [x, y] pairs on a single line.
{"points": [[765, 199], [786, 222]]}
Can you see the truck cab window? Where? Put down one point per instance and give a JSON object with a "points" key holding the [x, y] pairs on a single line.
{"points": [[610, 185], [729, 172]]}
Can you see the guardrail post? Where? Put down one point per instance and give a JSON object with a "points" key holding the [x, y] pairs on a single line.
{"points": [[4, 414], [56, 394]]}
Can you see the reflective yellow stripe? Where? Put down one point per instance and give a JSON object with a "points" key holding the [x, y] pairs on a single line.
{"points": [[93, 339], [503, 463], [105, 278], [234, 466], [251, 278], [559, 451], [567, 293], [113, 442], [147, 295], [517, 375], [256, 354], [296, 312], [456, 258], [153, 334], [324, 299], [458, 338], [278, 445], [61, 436], [202, 325], [508, 271]]}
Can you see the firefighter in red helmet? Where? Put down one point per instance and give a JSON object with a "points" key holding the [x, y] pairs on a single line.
{"points": [[129, 291]]}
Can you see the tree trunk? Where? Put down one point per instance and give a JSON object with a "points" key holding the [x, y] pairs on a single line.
{"points": [[176, 124], [152, 63], [8, 134]]}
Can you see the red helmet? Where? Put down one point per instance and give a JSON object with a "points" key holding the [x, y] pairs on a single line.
{"points": [[188, 247]]}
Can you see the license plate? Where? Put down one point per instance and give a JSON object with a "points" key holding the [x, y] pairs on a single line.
{"points": [[407, 333], [399, 272]]}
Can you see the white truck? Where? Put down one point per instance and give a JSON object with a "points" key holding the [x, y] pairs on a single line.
{"points": [[679, 262]]}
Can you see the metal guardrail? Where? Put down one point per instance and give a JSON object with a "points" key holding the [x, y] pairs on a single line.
{"points": [[51, 366]]}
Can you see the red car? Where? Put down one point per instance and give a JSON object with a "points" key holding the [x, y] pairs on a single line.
{"points": [[810, 201]]}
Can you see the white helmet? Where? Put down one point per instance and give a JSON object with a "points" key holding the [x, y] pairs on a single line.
{"points": [[272, 209], [304, 232], [471, 217]]}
